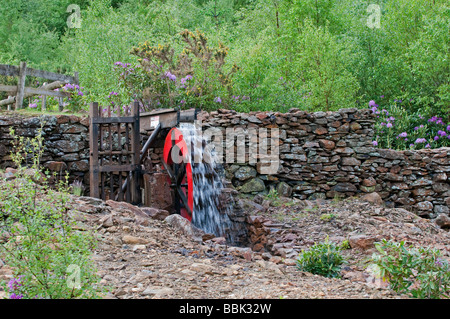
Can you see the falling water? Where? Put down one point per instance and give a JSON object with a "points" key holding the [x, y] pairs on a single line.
{"points": [[210, 214]]}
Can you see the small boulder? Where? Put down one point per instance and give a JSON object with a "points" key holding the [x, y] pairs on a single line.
{"points": [[373, 198], [442, 221], [155, 213], [185, 226], [132, 240], [362, 241]]}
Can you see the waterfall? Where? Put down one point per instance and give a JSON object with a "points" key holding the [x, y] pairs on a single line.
{"points": [[210, 214]]}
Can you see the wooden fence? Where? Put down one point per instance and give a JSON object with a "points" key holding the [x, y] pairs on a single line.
{"points": [[20, 92]]}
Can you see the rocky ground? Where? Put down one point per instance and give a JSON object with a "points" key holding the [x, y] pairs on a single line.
{"points": [[143, 253]]}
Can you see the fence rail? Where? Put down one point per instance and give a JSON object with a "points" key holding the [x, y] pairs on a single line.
{"points": [[21, 92]]}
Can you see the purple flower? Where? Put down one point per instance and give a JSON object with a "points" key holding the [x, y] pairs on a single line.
{"points": [[382, 96], [80, 93], [375, 143], [14, 296], [218, 99], [427, 146], [404, 134], [372, 103], [382, 124], [441, 133], [420, 140], [375, 110], [436, 138], [411, 145], [448, 128], [33, 105], [389, 125], [416, 128], [170, 76], [391, 118]]}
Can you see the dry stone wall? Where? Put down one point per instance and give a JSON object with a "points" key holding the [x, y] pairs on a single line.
{"points": [[66, 140], [322, 155], [329, 154]]}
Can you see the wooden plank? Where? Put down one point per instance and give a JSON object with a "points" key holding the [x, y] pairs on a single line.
{"points": [[117, 168], [21, 85], [12, 70], [32, 91], [51, 76], [113, 120], [9, 70], [41, 91], [93, 154], [51, 86]]}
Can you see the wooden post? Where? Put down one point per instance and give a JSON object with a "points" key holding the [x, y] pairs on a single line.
{"points": [[21, 85], [60, 104], [44, 100], [94, 172], [136, 157], [9, 105], [76, 78]]}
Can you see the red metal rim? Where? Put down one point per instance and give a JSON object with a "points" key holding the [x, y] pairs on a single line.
{"points": [[175, 142]]}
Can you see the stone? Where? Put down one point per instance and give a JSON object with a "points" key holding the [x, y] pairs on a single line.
{"points": [[368, 182], [141, 217], [253, 185], [132, 240], [426, 206], [422, 182], [441, 209], [351, 161], [202, 268], [443, 221], [320, 130], [440, 187], [284, 189], [355, 126], [157, 291], [327, 144], [363, 242], [245, 172], [55, 166], [345, 187], [185, 226], [373, 198], [154, 213]]}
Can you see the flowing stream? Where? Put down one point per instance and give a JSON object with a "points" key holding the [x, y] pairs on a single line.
{"points": [[210, 214]]}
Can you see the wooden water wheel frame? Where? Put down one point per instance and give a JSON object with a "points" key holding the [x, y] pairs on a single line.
{"points": [[177, 162]]}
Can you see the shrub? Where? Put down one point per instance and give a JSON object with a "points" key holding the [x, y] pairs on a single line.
{"points": [[397, 127], [323, 259], [196, 77], [420, 272], [50, 258]]}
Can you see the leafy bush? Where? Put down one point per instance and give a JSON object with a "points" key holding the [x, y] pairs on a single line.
{"points": [[397, 127], [323, 259], [421, 272], [193, 78], [50, 258]]}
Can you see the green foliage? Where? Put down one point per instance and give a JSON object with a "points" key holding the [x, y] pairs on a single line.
{"points": [[310, 54], [327, 217], [397, 127], [193, 78], [323, 259], [420, 272], [49, 257]]}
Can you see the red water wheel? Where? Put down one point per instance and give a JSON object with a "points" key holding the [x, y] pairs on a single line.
{"points": [[177, 162]]}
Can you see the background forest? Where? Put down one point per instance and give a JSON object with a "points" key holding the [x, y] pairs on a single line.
{"points": [[389, 55]]}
